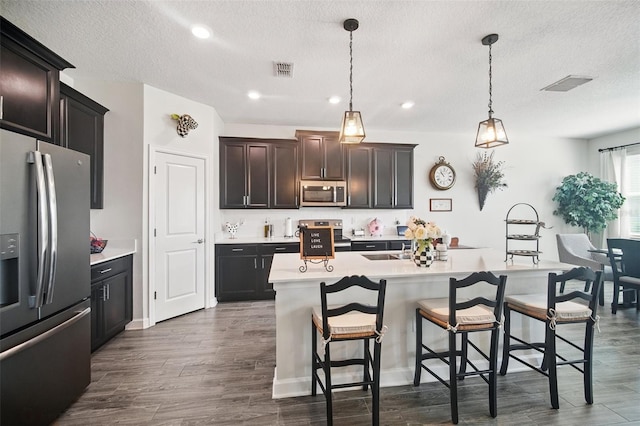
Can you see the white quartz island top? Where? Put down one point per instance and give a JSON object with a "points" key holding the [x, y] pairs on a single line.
{"points": [[298, 292], [460, 262]]}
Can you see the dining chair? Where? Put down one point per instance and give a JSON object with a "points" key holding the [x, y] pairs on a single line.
{"points": [[344, 322], [555, 309], [624, 255], [462, 316]]}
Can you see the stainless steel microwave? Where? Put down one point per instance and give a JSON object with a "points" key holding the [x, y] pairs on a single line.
{"points": [[323, 193]]}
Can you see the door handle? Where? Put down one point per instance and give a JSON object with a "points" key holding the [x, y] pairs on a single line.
{"points": [[35, 158], [200, 241]]}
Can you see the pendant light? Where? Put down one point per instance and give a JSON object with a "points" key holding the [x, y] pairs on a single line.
{"points": [[491, 132], [352, 130]]}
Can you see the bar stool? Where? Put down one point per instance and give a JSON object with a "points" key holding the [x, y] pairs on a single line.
{"points": [[556, 309], [463, 317], [346, 322]]}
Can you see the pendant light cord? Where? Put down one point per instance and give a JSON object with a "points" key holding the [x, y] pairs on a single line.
{"points": [[350, 70], [490, 86]]}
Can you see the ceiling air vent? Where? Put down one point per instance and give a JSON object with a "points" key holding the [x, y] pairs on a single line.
{"points": [[283, 69], [567, 83]]}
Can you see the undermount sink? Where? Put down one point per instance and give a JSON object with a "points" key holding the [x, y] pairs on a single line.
{"points": [[382, 256]]}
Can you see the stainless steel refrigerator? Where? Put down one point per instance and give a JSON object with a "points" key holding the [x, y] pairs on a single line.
{"points": [[45, 321]]}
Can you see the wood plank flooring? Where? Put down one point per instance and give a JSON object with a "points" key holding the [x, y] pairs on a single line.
{"points": [[215, 367]]}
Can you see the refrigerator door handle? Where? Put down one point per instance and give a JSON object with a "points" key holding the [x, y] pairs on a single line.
{"points": [[35, 158], [39, 338], [53, 222]]}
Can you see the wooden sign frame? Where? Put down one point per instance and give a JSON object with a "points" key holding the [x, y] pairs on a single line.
{"points": [[316, 242]]}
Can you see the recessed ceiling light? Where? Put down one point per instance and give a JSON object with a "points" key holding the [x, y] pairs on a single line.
{"points": [[334, 100], [253, 95], [200, 31], [407, 104]]}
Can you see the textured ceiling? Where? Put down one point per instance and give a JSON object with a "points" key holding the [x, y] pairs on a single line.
{"points": [[429, 52]]}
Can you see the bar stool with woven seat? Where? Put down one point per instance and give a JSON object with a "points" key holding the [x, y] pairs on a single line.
{"points": [[346, 322], [555, 309], [463, 317]]}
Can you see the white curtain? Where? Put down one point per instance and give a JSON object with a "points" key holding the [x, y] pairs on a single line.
{"points": [[613, 169]]}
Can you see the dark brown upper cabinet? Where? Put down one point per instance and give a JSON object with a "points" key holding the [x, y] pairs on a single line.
{"points": [[322, 155], [29, 84], [359, 176], [285, 175], [258, 173], [82, 129], [393, 177], [380, 176]]}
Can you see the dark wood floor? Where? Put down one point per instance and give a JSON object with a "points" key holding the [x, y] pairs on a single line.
{"points": [[216, 366]]}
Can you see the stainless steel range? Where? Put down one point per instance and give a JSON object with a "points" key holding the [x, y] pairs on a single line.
{"points": [[340, 242]]}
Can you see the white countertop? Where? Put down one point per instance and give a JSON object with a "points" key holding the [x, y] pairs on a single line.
{"points": [[285, 265], [381, 238], [114, 250], [262, 240], [256, 240]]}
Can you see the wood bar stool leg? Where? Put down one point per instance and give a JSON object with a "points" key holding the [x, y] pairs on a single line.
{"points": [[463, 355], [493, 376], [377, 348], [506, 341], [550, 361], [418, 371], [327, 383], [588, 365], [314, 363], [366, 372], [453, 382]]}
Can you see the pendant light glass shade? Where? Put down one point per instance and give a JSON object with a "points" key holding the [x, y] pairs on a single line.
{"points": [[352, 129], [491, 132]]}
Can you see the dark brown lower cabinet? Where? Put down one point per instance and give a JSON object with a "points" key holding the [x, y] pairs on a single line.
{"points": [[242, 270], [111, 299], [379, 245]]}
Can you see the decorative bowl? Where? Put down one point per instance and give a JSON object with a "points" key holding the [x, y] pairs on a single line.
{"points": [[97, 245]]}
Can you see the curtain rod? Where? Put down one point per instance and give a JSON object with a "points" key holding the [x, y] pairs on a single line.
{"points": [[618, 147]]}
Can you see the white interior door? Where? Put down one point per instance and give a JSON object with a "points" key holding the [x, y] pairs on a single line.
{"points": [[179, 235]]}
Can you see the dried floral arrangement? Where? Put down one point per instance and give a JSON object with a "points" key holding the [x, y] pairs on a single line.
{"points": [[489, 175]]}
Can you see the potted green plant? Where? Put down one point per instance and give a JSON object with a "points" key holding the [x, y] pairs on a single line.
{"points": [[588, 202], [489, 176]]}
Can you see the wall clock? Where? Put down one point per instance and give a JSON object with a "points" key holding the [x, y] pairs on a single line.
{"points": [[442, 175]]}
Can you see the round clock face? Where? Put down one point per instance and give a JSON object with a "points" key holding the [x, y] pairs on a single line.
{"points": [[442, 176]]}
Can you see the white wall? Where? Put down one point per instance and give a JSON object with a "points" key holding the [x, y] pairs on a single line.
{"points": [[121, 218], [534, 167], [160, 133]]}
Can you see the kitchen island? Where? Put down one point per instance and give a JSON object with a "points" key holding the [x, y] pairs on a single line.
{"points": [[297, 293]]}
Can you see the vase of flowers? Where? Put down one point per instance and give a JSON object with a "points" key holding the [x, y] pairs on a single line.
{"points": [[423, 235]]}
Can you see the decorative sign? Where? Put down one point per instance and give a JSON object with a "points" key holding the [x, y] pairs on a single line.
{"points": [[440, 204], [316, 242]]}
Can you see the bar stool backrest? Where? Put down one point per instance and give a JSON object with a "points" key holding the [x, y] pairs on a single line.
{"points": [[347, 283], [594, 279], [475, 278]]}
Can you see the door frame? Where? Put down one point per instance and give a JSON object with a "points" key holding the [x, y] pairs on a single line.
{"points": [[208, 289]]}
